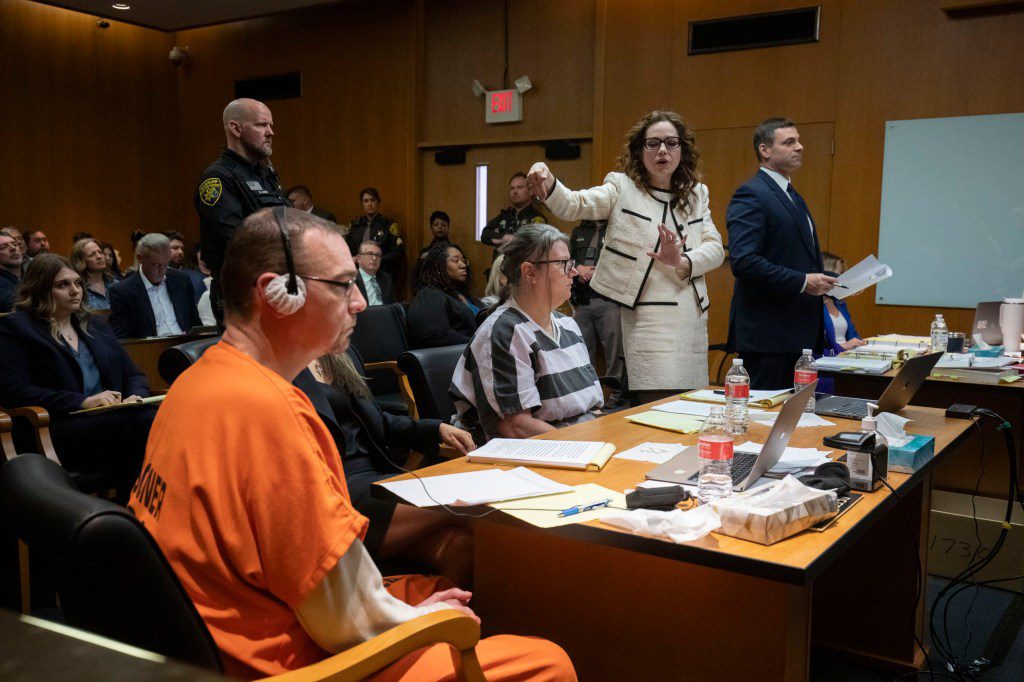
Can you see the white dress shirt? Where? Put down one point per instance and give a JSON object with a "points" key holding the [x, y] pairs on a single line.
{"points": [[163, 310], [373, 293]]}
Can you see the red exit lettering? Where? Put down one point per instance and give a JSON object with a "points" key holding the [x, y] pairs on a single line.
{"points": [[501, 102]]}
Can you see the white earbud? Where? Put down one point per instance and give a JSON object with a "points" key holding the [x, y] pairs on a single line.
{"points": [[278, 298]]}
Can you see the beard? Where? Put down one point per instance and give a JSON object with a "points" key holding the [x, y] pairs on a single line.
{"points": [[258, 151]]}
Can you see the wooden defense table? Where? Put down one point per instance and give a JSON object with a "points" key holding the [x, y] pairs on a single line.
{"points": [[959, 473], [626, 606]]}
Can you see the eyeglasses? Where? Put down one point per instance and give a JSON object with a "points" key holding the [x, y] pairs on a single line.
{"points": [[458, 259], [653, 143], [370, 255], [567, 263], [347, 286]]}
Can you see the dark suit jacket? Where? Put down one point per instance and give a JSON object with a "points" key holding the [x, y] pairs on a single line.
{"points": [[771, 250], [436, 319], [325, 214], [131, 314], [386, 282], [36, 370]]}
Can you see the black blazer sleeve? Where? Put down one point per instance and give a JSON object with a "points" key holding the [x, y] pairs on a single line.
{"points": [[126, 377], [387, 286], [406, 433], [21, 350], [121, 317], [430, 320]]}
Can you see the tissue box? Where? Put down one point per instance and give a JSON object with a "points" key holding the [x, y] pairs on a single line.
{"points": [[788, 508], [910, 457], [992, 352]]}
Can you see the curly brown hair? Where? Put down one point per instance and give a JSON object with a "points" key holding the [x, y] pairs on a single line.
{"points": [[685, 176]]}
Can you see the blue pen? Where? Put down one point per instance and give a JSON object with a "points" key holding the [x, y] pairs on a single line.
{"points": [[579, 508]]}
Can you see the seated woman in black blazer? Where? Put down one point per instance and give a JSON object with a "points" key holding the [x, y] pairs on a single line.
{"points": [[365, 436], [443, 312], [55, 355]]}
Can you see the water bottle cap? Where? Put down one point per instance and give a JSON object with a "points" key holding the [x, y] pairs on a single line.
{"points": [[717, 409], [938, 317], [737, 362], [807, 351]]}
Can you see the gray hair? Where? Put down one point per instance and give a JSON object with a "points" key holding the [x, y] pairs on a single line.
{"points": [[530, 242], [152, 242]]}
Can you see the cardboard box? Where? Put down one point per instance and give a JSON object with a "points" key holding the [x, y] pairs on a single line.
{"points": [[953, 540]]}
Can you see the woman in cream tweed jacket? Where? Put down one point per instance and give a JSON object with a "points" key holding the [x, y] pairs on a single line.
{"points": [[659, 244]]}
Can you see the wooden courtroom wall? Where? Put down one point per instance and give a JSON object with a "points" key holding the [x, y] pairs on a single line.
{"points": [[876, 60], [89, 127]]}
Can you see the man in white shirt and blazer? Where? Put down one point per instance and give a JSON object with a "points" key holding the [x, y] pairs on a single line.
{"points": [[376, 285], [155, 300]]}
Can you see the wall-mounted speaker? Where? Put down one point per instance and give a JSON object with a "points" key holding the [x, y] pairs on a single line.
{"points": [[751, 31], [266, 88], [561, 150], [450, 156]]}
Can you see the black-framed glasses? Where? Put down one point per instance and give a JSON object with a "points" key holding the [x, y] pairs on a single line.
{"points": [[347, 286], [567, 263], [370, 255], [653, 143]]}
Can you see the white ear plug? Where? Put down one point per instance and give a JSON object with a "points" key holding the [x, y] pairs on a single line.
{"points": [[280, 300]]}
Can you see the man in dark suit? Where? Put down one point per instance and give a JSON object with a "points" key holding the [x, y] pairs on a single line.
{"points": [[302, 199], [154, 301], [376, 285], [776, 259]]}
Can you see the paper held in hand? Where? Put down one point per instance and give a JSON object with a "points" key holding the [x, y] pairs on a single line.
{"points": [[864, 274], [561, 454], [151, 400]]}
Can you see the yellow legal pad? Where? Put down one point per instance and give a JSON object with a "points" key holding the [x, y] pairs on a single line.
{"points": [[680, 423], [543, 511]]}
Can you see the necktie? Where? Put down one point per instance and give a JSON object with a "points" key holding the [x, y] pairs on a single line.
{"points": [[376, 289], [798, 201]]}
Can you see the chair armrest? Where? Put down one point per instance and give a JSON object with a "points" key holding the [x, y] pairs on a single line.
{"points": [[40, 421], [6, 440], [390, 365], [447, 626], [403, 383]]}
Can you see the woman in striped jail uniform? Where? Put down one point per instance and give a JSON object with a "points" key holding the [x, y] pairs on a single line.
{"points": [[659, 244]]}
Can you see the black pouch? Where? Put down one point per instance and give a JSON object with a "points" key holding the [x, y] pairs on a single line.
{"points": [[658, 499]]}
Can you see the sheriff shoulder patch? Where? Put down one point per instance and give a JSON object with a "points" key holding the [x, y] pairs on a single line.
{"points": [[210, 191], [394, 229], [537, 220]]}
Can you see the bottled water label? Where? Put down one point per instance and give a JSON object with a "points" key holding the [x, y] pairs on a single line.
{"points": [[737, 390], [803, 376], [715, 447]]}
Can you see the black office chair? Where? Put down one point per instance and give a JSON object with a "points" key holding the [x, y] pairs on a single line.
{"points": [[379, 338], [111, 576], [723, 363], [176, 359], [430, 371]]}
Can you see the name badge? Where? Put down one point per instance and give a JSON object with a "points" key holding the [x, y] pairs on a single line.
{"points": [[254, 185]]}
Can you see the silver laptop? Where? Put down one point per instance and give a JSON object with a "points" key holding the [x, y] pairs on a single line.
{"points": [[896, 396], [747, 467], [986, 323]]}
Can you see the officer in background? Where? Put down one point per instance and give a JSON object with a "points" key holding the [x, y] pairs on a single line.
{"points": [[240, 182], [597, 316], [372, 226], [504, 225]]}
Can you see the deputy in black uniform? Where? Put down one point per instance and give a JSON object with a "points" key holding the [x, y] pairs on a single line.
{"points": [[598, 317], [372, 226], [500, 229], [240, 182]]}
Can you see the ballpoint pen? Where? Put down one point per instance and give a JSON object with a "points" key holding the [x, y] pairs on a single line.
{"points": [[839, 286], [579, 508]]}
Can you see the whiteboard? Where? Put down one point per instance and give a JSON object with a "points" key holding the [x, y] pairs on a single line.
{"points": [[952, 214]]}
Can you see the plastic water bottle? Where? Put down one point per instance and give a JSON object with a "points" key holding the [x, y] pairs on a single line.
{"points": [[805, 372], [940, 334], [737, 392], [714, 446]]}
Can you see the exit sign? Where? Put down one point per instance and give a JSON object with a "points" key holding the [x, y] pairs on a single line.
{"points": [[503, 106]]}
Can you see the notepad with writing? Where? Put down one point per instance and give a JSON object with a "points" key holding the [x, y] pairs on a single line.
{"points": [[151, 400], [561, 454], [758, 398]]}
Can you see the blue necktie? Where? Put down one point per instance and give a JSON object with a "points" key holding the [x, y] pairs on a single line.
{"points": [[798, 201]]}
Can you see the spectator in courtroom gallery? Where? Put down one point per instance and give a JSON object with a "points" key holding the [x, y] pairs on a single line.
{"points": [[179, 262], [443, 311], [272, 551], [376, 286], [440, 226], [91, 264], [302, 199], [526, 370], [113, 262], [776, 260], [19, 239], [240, 182], [495, 281], [54, 354], [206, 315], [369, 440], [155, 301], [381, 229], [10, 271], [522, 211], [36, 242]]}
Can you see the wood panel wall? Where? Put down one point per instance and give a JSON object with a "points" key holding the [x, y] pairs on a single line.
{"points": [[88, 126]]}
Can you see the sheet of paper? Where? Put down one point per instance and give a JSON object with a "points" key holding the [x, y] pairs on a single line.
{"points": [[864, 274], [543, 511], [659, 453], [553, 451], [709, 395], [680, 423], [806, 419], [474, 487], [851, 363], [792, 458], [692, 408]]}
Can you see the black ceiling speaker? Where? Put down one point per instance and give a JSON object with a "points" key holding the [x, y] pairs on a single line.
{"points": [[561, 150], [267, 88], [751, 31], [450, 156]]}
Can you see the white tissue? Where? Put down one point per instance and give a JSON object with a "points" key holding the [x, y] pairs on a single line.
{"points": [[676, 525], [893, 427]]}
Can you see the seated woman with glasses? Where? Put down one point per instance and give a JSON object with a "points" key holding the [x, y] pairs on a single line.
{"points": [[54, 354], [527, 370], [91, 264], [840, 334], [443, 312], [659, 244]]}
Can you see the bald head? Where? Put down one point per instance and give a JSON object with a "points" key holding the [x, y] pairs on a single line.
{"points": [[249, 129]]}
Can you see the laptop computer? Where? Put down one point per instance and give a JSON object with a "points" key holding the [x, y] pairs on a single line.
{"points": [[986, 323], [896, 396], [747, 467]]}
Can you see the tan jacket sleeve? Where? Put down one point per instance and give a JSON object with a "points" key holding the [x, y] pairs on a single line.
{"points": [[595, 203]]}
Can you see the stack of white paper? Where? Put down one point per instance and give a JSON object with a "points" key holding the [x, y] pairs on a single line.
{"points": [[864, 274], [475, 487], [792, 458], [806, 419], [843, 362]]}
